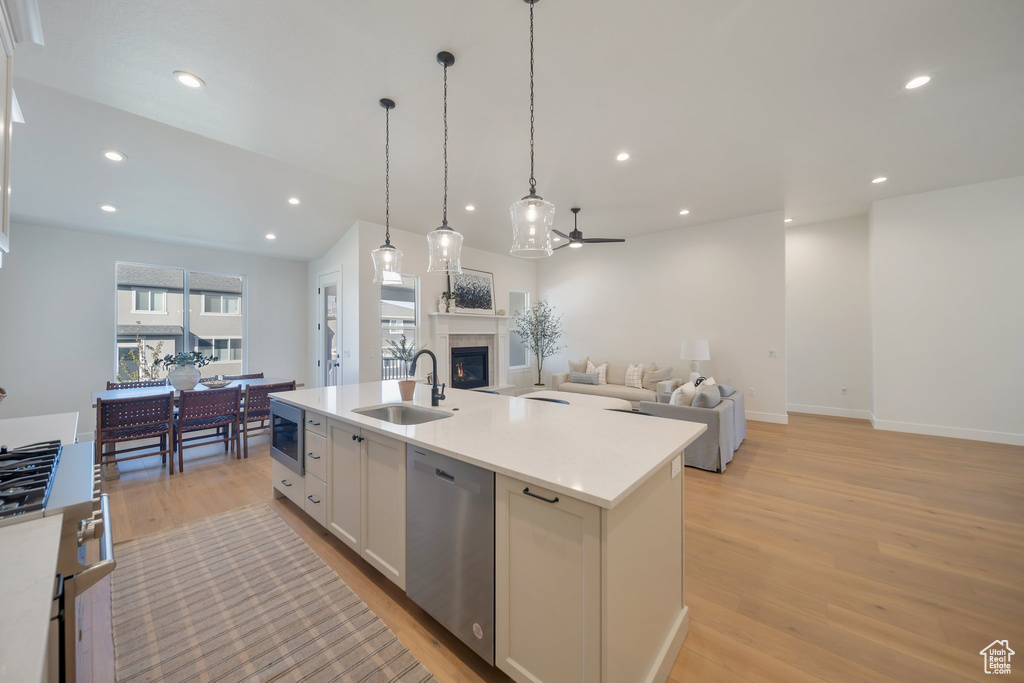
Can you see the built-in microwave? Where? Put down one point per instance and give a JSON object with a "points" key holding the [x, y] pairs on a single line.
{"points": [[286, 435]]}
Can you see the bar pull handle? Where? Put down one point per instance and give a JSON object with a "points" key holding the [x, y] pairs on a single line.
{"points": [[444, 476], [315, 424], [285, 482], [312, 500], [534, 495], [312, 457]]}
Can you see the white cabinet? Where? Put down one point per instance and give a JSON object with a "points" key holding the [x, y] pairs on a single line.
{"points": [[548, 585], [315, 503], [309, 491], [289, 484], [366, 501], [345, 517]]}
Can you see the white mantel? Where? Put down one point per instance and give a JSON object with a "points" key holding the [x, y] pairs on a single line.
{"points": [[447, 324]]}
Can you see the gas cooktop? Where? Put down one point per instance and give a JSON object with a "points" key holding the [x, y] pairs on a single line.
{"points": [[26, 477]]}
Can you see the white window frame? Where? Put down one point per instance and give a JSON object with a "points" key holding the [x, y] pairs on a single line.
{"points": [[213, 343], [202, 304], [529, 356], [150, 291]]}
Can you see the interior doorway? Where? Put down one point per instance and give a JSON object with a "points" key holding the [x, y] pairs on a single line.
{"points": [[329, 331]]}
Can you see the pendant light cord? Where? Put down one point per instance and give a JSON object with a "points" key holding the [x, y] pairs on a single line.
{"points": [[533, 181], [444, 207], [387, 176]]}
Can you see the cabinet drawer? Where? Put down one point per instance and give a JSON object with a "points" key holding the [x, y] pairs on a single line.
{"points": [[316, 455], [316, 499], [289, 483], [316, 423]]}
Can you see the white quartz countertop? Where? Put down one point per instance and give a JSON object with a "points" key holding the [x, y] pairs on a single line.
{"points": [[23, 431], [597, 456], [28, 579]]}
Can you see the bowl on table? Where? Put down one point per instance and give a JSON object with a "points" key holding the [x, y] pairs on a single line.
{"points": [[213, 383]]}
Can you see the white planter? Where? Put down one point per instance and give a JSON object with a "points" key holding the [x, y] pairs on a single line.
{"points": [[184, 377]]}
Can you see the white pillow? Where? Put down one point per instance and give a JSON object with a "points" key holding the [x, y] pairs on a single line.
{"points": [[635, 376], [601, 370], [683, 396]]}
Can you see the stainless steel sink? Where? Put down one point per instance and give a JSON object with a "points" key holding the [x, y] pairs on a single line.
{"points": [[402, 414]]}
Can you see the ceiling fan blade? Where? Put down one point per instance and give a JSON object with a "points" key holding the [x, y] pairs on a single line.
{"points": [[600, 240], [563, 246], [560, 234]]}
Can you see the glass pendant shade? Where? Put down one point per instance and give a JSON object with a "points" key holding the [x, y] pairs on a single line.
{"points": [[532, 219], [445, 247], [387, 264]]}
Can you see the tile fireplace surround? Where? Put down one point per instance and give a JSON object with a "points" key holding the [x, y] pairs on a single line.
{"points": [[463, 329]]}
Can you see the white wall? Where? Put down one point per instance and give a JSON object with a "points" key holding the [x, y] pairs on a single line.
{"points": [[361, 297], [947, 276], [57, 331], [828, 318], [635, 302]]}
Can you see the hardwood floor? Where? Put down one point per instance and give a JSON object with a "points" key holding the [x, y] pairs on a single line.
{"points": [[827, 551]]}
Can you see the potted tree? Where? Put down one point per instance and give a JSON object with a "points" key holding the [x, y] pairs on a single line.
{"points": [[540, 328], [184, 368], [403, 351]]}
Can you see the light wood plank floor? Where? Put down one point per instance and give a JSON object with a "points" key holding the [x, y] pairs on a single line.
{"points": [[827, 552]]}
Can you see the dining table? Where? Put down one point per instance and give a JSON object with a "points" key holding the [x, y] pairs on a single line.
{"points": [[107, 394]]}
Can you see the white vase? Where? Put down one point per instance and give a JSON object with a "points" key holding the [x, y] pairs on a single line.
{"points": [[184, 377]]}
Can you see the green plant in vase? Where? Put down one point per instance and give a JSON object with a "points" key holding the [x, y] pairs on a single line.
{"points": [[184, 368]]}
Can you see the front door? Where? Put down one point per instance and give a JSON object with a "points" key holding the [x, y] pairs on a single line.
{"points": [[329, 361]]}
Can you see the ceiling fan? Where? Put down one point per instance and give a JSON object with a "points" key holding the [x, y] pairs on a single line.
{"points": [[576, 238]]}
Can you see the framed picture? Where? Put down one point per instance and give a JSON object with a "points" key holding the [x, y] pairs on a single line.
{"points": [[475, 289]]}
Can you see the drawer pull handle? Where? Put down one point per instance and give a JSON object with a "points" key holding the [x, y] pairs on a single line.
{"points": [[285, 482], [314, 457], [313, 500], [444, 476], [534, 495], [315, 424]]}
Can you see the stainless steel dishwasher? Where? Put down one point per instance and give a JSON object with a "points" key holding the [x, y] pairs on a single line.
{"points": [[449, 552]]}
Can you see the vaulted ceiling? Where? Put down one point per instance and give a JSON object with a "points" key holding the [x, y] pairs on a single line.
{"points": [[727, 108]]}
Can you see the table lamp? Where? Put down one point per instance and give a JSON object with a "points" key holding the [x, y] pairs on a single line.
{"points": [[695, 350]]}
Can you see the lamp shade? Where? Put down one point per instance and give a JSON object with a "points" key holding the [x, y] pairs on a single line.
{"points": [[387, 264], [532, 218], [695, 349], [445, 246]]}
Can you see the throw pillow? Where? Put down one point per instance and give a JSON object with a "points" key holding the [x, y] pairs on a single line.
{"points": [[601, 370], [683, 396], [581, 366], [726, 389], [707, 396], [635, 376], [582, 377], [655, 375]]}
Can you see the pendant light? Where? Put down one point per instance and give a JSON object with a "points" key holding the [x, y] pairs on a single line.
{"points": [[387, 261], [532, 217], [445, 244]]}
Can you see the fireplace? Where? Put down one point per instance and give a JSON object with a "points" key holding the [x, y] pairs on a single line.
{"points": [[469, 367]]}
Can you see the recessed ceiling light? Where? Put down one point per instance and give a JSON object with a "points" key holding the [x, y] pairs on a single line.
{"points": [[684, 212], [788, 220], [622, 156], [293, 200], [271, 236], [109, 208], [879, 179], [470, 207], [917, 82], [114, 155], [189, 80]]}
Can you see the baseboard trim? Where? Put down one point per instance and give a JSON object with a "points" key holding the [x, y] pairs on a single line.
{"points": [[1007, 438], [768, 417], [831, 412]]}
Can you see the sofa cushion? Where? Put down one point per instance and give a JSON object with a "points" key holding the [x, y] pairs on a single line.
{"points": [[583, 377], [617, 373], [601, 370], [580, 366], [707, 396], [726, 389], [654, 375], [683, 396], [613, 390], [635, 376]]}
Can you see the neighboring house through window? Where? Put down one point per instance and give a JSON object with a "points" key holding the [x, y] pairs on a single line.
{"points": [[149, 300], [222, 304]]}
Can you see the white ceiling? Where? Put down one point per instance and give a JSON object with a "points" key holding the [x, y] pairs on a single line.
{"points": [[728, 108]]}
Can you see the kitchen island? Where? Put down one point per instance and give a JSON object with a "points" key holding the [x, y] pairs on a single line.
{"points": [[588, 517]]}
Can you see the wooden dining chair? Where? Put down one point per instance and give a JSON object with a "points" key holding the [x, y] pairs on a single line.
{"points": [[137, 384], [251, 375], [257, 409], [202, 411], [120, 420]]}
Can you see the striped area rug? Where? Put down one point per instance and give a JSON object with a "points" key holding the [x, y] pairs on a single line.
{"points": [[240, 597]]}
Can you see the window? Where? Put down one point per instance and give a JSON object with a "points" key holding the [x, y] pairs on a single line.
{"points": [[202, 312], [518, 354], [222, 304], [399, 321], [149, 300]]}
